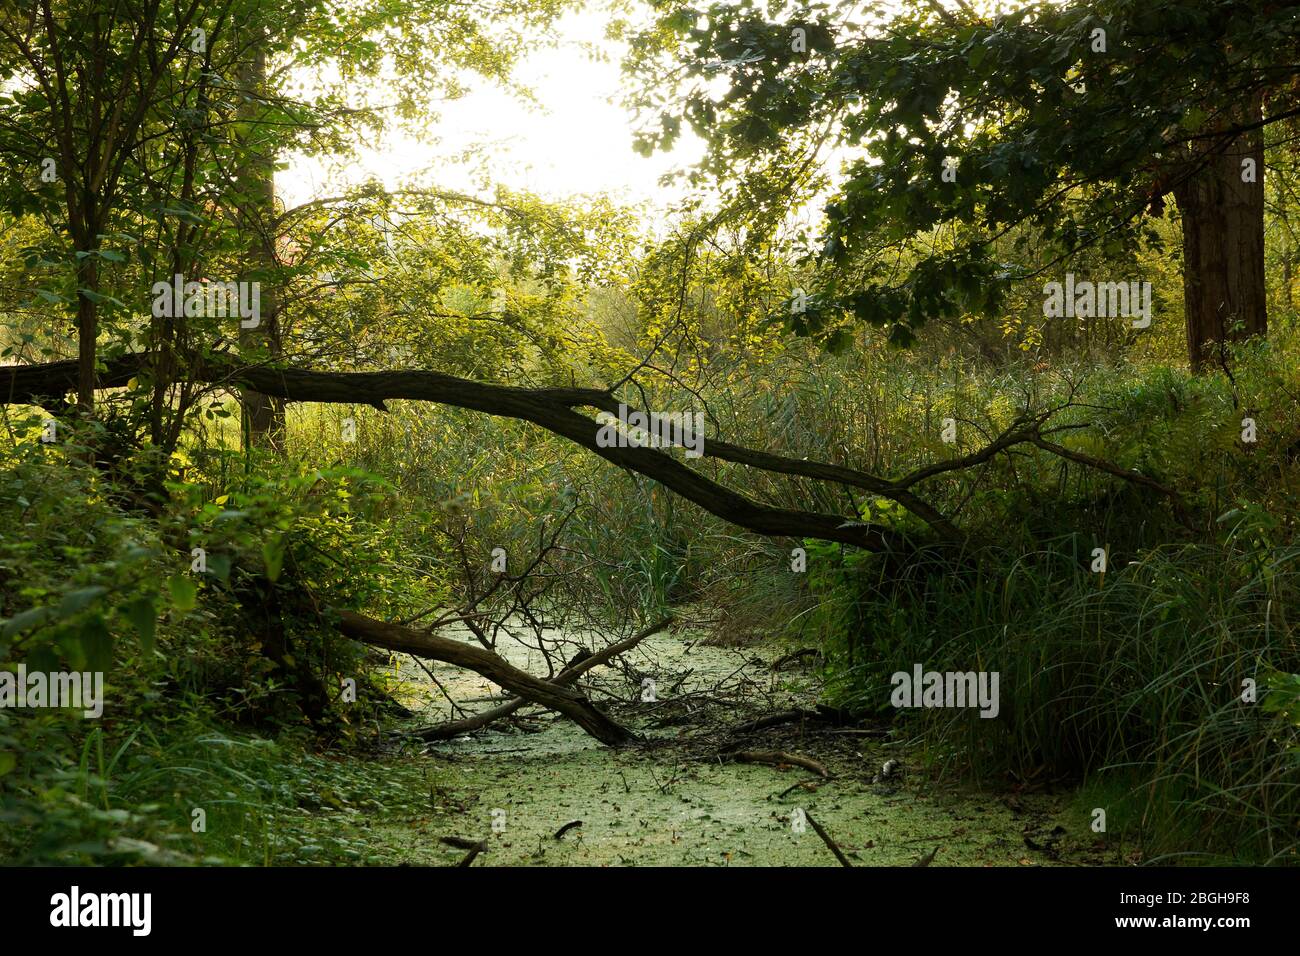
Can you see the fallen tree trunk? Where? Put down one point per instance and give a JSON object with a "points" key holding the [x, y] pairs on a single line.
{"points": [[454, 728], [571, 704], [551, 408]]}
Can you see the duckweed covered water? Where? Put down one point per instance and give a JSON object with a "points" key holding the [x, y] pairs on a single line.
{"points": [[674, 799]]}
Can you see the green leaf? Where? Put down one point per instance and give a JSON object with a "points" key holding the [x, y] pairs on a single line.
{"points": [[26, 619], [7, 762], [75, 601], [219, 564], [144, 618], [68, 640], [42, 658], [273, 555], [1193, 119], [183, 590], [97, 641]]}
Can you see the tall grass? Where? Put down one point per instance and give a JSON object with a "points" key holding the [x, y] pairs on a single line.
{"points": [[1130, 681], [1140, 674]]}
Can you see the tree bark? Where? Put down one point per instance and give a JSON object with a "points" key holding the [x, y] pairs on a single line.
{"points": [[263, 413], [454, 728], [547, 407], [1223, 243], [553, 409], [568, 702], [87, 333]]}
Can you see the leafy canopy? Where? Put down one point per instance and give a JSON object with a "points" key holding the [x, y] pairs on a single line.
{"points": [[1063, 123]]}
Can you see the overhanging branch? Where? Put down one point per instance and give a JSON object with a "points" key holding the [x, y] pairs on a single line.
{"points": [[547, 407], [553, 409]]}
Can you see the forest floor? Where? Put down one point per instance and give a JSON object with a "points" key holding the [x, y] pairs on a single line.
{"points": [[675, 798]]}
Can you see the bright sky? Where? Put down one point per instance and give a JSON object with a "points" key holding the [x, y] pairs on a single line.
{"points": [[575, 140]]}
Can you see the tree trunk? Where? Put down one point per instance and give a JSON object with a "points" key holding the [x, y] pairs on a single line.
{"points": [[1222, 209], [87, 333], [263, 413]]}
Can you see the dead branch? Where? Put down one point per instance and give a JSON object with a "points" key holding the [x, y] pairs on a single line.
{"points": [[1175, 499], [779, 757], [459, 842], [573, 705], [569, 675], [559, 834], [928, 858], [826, 838], [475, 850], [809, 785], [775, 720], [793, 656]]}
